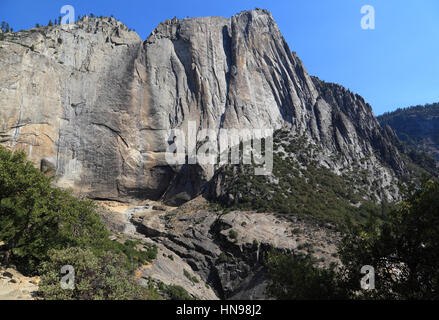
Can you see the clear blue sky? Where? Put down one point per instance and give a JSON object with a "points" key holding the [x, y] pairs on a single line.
{"points": [[395, 65]]}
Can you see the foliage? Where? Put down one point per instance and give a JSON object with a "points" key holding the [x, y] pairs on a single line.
{"points": [[134, 257], [175, 292], [296, 278], [418, 128], [233, 234], [36, 217], [5, 27], [193, 279], [303, 188], [403, 249], [224, 258], [95, 278], [428, 109]]}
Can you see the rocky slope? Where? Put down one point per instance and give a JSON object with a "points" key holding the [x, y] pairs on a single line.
{"points": [[213, 255], [96, 103], [418, 127]]}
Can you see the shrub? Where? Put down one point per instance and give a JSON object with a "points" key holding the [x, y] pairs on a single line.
{"points": [[95, 278], [296, 278], [178, 293], [233, 234], [224, 258], [193, 279]]}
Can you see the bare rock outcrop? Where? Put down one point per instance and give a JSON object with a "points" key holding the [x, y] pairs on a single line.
{"points": [[15, 286], [97, 103], [226, 252]]}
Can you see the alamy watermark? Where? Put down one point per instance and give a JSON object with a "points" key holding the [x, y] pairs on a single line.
{"points": [[68, 280], [230, 146], [368, 281], [68, 18], [368, 19]]}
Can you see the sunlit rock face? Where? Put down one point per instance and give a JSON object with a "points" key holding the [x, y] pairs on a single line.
{"points": [[97, 102]]}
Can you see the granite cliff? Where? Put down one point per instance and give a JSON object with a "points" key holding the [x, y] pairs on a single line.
{"points": [[96, 103]]}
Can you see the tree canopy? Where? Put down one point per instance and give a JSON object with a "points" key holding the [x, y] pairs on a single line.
{"points": [[43, 228], [403, 249], [36, 217]]}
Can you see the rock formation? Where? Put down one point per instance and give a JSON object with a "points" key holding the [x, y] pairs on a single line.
{"points": [[96, 102], [217, 256]]}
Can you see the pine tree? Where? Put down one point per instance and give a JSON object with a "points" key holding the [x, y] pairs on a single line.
{"points": [[5, 26]]}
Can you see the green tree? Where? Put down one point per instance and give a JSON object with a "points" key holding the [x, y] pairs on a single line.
{"points": [[403, 249], [36, 217], [5, 26], [296, 278]]}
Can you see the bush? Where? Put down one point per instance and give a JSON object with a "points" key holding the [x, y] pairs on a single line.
{"points": [[134, 257], [193, 279], [178, 293], [96, 278], [233, 234], [296, 278]]}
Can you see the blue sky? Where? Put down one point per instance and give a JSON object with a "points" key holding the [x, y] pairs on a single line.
{"points": [[395, 65]]}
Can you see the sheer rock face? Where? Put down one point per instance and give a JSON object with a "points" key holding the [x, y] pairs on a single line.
{"points": [[98, 103]]}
